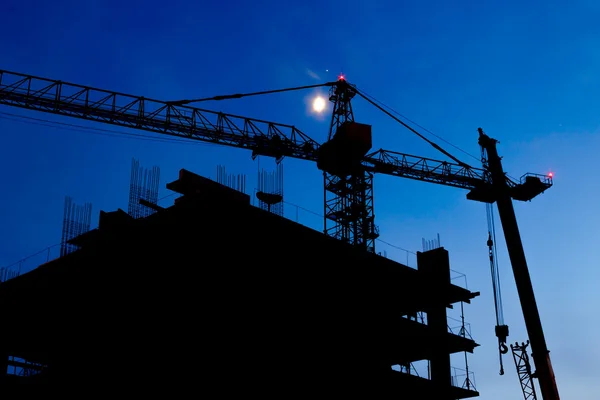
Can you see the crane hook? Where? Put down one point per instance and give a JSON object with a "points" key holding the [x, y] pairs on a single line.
{"points": [[503, 349]]}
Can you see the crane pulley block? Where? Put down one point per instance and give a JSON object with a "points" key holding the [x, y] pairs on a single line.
{"points": [[502, 335]]}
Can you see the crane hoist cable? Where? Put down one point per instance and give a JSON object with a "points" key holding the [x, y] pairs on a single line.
{"points": [[501, 328]]}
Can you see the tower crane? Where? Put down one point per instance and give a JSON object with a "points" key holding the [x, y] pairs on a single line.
{"points": [[346, 159]]}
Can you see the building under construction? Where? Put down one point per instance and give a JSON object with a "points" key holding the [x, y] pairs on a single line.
{"points": [[212, 293]]}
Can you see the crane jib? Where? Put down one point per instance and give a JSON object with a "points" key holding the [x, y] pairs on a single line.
{"points": [[261, 137]]}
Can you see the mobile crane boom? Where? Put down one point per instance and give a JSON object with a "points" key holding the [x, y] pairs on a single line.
{"points": [[541, 355], [488, 185]]}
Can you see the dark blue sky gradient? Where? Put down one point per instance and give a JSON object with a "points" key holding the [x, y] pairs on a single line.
{"points": [[527, 72]]}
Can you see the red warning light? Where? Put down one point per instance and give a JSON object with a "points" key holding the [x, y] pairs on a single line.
{"points": [[341, 77], [550, 174]]}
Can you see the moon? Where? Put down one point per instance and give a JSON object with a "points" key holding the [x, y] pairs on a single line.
{"points": [[319, 104]]}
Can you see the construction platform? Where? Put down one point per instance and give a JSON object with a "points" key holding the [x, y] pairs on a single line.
{"points": [[215, 294]]}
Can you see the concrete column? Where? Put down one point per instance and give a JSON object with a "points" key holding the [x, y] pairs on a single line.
{"points": [[435, 267]]}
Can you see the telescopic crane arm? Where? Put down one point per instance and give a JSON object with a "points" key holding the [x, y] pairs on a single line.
{"points": [[541, 355]]}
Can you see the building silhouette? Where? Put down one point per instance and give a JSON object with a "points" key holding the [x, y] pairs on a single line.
{"points": [[213, 295]]}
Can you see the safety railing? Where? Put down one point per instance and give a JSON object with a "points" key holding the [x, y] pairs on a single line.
{"points": [[29, 263], [463, 378]]}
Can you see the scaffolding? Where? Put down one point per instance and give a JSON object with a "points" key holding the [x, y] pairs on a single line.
{"points": [[76, 221], [143, 186], [434, 263]]}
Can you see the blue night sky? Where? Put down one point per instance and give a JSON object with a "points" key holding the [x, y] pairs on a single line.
{"points": [[528, 74]]}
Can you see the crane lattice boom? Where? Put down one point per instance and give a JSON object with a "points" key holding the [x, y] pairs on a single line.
{"points": [[261, 137]]}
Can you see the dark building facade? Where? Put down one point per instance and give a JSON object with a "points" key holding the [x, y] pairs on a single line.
{"points": [[213, 294]]}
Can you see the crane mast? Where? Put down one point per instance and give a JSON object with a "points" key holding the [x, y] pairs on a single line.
{"points": [[348, 193], [514, 245]]}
